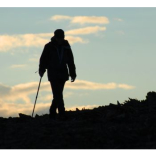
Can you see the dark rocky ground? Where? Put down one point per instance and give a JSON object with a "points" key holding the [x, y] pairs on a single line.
{"points": [[131, 125]]}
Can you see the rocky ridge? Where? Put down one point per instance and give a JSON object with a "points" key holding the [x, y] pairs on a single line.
{"points": [[130, 125]]}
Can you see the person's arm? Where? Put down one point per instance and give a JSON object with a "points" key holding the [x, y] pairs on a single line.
{"points": [[43, 61], [71, 64]]}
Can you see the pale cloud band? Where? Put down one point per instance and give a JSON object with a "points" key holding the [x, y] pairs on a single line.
{"points": [[10, 95], [81, 84], [82, 19], [8, 42], [22, 91], [30, 40], [18, 66], [86, 30]]}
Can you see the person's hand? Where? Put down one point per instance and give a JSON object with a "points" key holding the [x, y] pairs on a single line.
{"points": [[73, 79], [41, 73]]}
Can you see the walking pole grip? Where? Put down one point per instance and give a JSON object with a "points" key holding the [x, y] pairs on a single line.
{"points": [[36, 96]]}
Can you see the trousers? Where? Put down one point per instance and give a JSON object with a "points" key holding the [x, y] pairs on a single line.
{"points": [[57, 87]]}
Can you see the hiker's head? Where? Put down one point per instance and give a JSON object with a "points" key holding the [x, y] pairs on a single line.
{"points": [[59, 35]]}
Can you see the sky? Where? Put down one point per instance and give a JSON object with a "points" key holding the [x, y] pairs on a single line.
{"points": [[113, 47]]}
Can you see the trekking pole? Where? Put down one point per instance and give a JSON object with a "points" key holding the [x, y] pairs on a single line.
{"points": [[36, 96]]}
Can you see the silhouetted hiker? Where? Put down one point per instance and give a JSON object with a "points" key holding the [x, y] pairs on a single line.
{"points": [[56, 56]]}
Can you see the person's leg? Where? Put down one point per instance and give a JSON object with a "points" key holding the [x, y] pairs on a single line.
{"points": [[61, 108], [57, 89], [53, 107]]}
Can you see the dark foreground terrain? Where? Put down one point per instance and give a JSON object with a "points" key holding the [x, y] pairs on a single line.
{"points": [[131, 125]]}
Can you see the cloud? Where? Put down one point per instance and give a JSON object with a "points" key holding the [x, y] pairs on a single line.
{"points": [[8, 42], [60, 17], [73, 40], [87, 85], [22, 91], [11, 94], [82, 19], [90, 19], [86, 30], [18, 66], [125, 86]]}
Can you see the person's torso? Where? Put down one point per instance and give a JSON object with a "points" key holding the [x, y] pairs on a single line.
{"points": [[58, 56]]}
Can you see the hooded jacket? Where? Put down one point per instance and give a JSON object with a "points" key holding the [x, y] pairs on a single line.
{"points": [[59, 62]]}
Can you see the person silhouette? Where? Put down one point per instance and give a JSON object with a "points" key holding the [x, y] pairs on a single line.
{"points": [[58, 59]]}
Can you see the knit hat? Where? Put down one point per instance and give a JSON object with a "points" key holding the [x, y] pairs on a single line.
{"points": [[59, 33]]}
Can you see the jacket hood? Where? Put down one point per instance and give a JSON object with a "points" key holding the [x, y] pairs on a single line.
{"points": [[54, 42]]}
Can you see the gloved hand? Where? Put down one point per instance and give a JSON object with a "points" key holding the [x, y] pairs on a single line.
{"points": [[41, 72], [73, 78]]}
